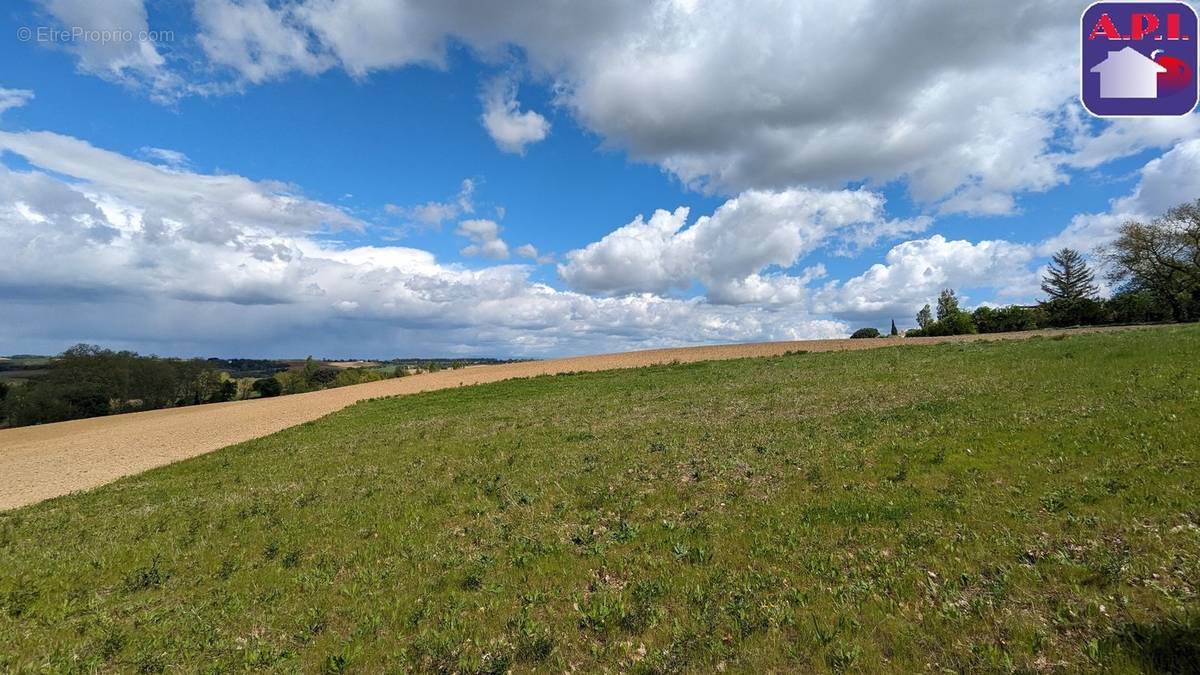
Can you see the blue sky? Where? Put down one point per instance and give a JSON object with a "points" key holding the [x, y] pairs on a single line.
{"points": [[392, 167]]}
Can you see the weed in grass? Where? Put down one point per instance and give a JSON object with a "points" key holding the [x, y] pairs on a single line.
{"points": [[472, 581], [142, 578], [532, 642], [842, 657], [18, 600]]}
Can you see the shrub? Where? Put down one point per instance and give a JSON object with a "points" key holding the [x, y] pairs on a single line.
{"points": [[1135, 306], [958, 323], [1007, 319], [1081, 312], [865, 333], [323, 377], [357, 376]]}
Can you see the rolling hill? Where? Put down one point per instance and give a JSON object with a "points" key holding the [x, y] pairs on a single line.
{"points": [[1014, 505]]}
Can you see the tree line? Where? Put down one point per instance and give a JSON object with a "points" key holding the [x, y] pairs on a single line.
{"points": [[90, 381], [1153, 266], [87, 381]]}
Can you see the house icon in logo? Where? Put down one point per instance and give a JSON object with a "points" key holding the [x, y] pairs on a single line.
{"points": [[1128, 74]]}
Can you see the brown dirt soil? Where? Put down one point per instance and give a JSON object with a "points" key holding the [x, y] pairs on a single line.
{"points": [[50, 460]]}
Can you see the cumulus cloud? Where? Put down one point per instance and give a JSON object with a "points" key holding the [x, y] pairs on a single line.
{"points": [[722, 94], [1163, 182], [1124, 137], [729, 251], [485, 239], [173, 261], [256, 40], [530, 251], [511, 129], [136, 61], [914, 272]]}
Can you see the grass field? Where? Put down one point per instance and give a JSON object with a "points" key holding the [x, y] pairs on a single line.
{"points": [[1028, 506]]}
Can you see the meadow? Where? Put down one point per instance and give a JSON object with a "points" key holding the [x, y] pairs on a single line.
{"points": [[986, 506]]}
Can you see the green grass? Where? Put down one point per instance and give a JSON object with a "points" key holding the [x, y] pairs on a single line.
{"points": [[1008, 506]]}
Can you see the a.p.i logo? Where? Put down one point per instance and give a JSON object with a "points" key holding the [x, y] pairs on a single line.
{"points": [[1139, 59]]}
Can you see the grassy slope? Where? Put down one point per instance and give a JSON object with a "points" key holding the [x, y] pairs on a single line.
{"points": [[1022, 505]]}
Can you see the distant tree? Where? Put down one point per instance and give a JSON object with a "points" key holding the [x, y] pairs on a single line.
{"points": [[36, 403], [209, 386], [324, 377], [267, 387], [947, 304], [245, 386], [3, 390], [924, 317], [985, 319], [1162, 258], [292, 382], [894, 332], [309, 372], [865, 333], [227, 391], [1135, 306], [1068, 277]]}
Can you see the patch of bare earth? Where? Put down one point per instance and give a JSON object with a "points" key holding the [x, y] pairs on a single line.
{"points": [[50, 460]]}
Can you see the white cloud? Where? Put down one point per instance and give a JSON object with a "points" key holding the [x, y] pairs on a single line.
{"points": [[171, 158], [914, 272], [13, 98], [1164, 182], [730, 250], [485, 239], [433, 214], [511, 129], [204, 207], [723, 94], [259, 42], [720, 93], [140, 260], [135, 61], [366, 35], [1124, 137]]}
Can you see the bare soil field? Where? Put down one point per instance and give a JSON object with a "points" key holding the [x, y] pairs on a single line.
{"points": [[352, 364], [45, 461]]}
